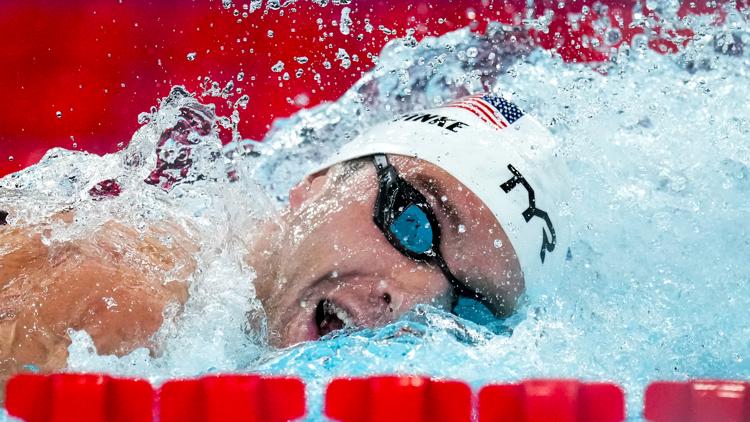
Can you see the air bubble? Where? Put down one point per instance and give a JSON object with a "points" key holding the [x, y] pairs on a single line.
{"points": [[278, 67], [58, 114], [497, 243], [461, 228], [191, 56]]}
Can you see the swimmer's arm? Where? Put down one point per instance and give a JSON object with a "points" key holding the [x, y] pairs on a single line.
{"points": [[115, 284]]}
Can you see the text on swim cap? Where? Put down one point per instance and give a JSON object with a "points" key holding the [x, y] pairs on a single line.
{"points": [[532, 211], [452, 125]]}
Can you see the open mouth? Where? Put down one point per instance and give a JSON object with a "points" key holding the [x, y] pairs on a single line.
{"points": [[330, 317]]}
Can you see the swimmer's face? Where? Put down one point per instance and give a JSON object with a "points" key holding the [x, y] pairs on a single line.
{"points": [[329, 266]]}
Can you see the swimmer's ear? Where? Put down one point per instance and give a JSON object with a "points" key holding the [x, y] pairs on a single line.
{"points": [[307, 188]]}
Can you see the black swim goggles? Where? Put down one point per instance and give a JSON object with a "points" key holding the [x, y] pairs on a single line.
{"points": [[408, 222]]}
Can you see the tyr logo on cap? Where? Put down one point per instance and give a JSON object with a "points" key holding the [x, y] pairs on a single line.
{"points": [[532, 211]]}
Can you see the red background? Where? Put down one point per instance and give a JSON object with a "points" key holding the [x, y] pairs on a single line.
{"points": [[101, 63]]}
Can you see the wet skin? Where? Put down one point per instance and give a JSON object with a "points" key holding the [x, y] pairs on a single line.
{"points": [[111, 284], [321, 266], [327, 264]]}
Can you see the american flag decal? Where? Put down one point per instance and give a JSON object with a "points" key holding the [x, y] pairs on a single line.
{"points": [[492, 109]]}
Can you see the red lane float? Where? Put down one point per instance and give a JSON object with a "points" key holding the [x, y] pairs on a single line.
{"points": [[101, 398], [77, 398], [552, 400], [226, 398], [698, 401], [398, 398]]}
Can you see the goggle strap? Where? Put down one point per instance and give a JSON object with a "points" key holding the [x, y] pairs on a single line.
{"points": [[381, 162], [460, 288]]}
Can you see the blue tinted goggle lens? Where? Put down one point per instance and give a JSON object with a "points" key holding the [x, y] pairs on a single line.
{"points": [[413, 230]]}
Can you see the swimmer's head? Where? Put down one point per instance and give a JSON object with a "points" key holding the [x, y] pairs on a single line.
{"points": [[487, 173]]}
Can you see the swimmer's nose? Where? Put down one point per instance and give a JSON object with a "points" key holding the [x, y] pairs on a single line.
{"points": [[395, 300], [391, 300]]}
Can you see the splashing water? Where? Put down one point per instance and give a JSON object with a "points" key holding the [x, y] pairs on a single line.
{"points": [[658, 286]]}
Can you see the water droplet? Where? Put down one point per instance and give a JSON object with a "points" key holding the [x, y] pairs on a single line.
{"points": [[613, 36], [472, 52], [302, 100], [10, 158], [301, 59], [461, 228], [240, 76], [191, 56], [343, 56], [346, 21], [58, 114], [278, 67], [498, 243], [270, 34], [227, 4], [242, 101], [385, 30], [443, 198]]}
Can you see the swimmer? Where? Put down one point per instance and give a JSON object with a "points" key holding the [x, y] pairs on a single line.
{"points": [[464, 200]]}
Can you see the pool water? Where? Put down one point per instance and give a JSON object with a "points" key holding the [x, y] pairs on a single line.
{"points": [[657, 285]]}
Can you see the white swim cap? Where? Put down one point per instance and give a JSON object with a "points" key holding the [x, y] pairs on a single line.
{"points": [[507, 158]]}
